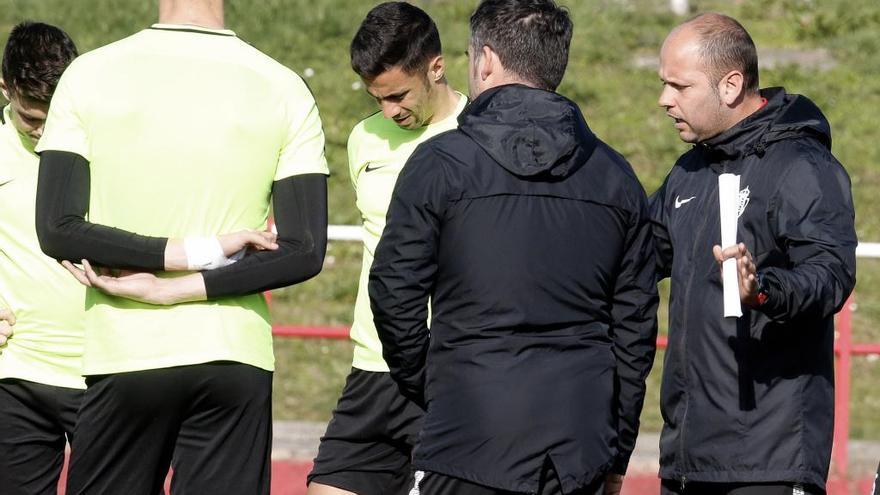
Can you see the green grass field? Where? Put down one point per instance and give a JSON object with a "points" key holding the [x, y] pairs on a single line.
{"points": [[618, 98]]}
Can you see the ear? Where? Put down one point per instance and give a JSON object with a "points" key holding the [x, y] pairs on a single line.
{"points": [[731, 87], [488, 62], [4, 89], [436, 69]]}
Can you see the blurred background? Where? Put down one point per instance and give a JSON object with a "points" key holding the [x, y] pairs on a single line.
{"points": [[827, 50]]}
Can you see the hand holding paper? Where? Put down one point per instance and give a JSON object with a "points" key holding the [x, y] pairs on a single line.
{"points": [[748, 271], [728, 202]]}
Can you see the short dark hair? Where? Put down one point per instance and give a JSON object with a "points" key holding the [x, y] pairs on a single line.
{"points": [[531, 38], [394, 34], [725, 45], [35, 56]]}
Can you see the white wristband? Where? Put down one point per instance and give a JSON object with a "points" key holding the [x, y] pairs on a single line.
{"points": [[204, 253]]}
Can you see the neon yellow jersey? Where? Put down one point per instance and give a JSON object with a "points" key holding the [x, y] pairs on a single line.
{"points": [[377, 151], [185, 130], [48, 303]]}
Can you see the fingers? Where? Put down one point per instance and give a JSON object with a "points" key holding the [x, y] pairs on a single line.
{"points": [[262, 240], [748, 275], [746, 267], [7, 316], [738, 251], [78, 274], [718, 253], [94, 279], [7, 319], [247, 239], [722, 255]]}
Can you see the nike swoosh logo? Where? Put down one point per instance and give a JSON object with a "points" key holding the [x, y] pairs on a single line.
{"points": [[679, 202], [3, 183], [370, 167]]}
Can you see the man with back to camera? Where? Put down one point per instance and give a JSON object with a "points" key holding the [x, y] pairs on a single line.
{"points": [[41, 384], [397, 53], [179, 133], [748, 403], [532, 239]]}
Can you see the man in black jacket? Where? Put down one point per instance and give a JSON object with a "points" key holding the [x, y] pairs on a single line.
{"points": [[532, 239], [748, 402]]}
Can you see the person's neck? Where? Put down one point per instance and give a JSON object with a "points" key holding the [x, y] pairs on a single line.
{"points": [[204, 13], [445, 103], [505, 79], [750, 104]]}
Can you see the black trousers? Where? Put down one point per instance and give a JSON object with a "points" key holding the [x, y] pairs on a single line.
{"points": [[35, 422], [672, 487], [211, 422], [428, 483]]}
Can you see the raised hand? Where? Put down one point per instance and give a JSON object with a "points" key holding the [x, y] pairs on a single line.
{"points": [[748, 272]]}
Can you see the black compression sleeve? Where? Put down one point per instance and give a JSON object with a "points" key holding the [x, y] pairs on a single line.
{"points": [[64, 234], [300, 206]]}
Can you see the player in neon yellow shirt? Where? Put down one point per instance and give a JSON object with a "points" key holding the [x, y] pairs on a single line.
{"points": [[41, 306], [397, 53], [154, 145]]}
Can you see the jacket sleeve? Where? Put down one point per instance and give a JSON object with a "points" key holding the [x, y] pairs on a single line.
{"points": [[660, 230], [634, 330], [299, 203], [403, 272], [62, 204], [813, 220]]}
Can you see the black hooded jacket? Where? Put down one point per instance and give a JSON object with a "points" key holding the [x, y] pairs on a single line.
{"points": [[532, 239], [752, 399]]}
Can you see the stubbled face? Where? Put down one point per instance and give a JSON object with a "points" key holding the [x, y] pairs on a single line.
{"points": [[28, 115], [405, 98], [688, 95]]}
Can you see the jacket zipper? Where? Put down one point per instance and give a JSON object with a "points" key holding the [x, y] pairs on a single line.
{"points": [[681, 450]]}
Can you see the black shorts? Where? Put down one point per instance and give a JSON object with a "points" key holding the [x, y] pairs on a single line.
{"points": [[211, 422], [368, 444], [428, 483], [36, 421], [672, 487]]}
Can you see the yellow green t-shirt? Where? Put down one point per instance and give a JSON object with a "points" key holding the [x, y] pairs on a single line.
{"points": [[377, 151], [48, 303], [185, 130]]}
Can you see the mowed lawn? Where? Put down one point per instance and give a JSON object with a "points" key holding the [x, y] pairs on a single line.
{"points": [[617, 95]]}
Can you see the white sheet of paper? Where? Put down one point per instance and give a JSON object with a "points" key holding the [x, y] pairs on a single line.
{"points": [[728, 202]]}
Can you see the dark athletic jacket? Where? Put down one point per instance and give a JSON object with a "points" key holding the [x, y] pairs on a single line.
{"points": [[752, 399], [531, 236]]}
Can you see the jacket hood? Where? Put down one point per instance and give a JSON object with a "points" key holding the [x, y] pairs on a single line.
{"points": [[785, 116], [529, 132]]}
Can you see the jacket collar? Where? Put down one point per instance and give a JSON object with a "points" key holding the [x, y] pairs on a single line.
{"points": [[746, 137], [785, 116]]}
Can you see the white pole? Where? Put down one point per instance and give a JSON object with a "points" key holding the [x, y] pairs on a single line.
{"points": [[679, 7], [354, 233]]}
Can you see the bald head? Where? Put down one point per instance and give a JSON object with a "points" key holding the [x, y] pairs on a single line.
{"points": [[722, 45], [709, 71]]}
